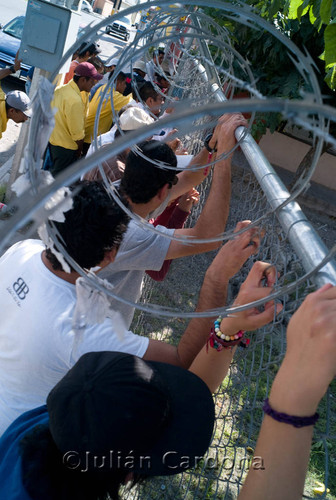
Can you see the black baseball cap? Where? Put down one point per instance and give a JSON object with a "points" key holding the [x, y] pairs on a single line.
{"points": [[118, 406]]}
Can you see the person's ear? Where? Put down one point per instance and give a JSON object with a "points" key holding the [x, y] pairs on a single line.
{"points": [[163, 192], [110, 255], [150, 101], [10, 113]]}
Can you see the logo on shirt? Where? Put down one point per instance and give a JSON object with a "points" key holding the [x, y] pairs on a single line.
{"points": [[20, 288]]}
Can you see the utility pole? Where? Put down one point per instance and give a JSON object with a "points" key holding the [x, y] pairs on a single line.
{"points": [[50, 29]]}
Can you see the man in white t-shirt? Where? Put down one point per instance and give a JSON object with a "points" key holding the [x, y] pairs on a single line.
{"points": [[50, 318]]}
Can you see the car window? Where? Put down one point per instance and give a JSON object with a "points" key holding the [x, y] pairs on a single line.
{"points": [[15, 27]]}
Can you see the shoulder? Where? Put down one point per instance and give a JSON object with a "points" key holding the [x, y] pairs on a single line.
{"points": [[11, 485], [143, 235], [21, 426], [111, 335], [25, 247]]}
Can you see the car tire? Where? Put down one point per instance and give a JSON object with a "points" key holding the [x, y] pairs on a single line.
{"points": [[107, 30]]}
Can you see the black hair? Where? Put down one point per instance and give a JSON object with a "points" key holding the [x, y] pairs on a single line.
{"points": [[147, 90], [160, 76], [158, 52], [121, 76], [96, 62], [77, 77], [143, 179], [46, 476], [91, 48], [94, 225]]}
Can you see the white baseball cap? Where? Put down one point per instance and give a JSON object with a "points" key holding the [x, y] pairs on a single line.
{"points": [[134, 118], [113, 62], [140, 65], [19, 100]]}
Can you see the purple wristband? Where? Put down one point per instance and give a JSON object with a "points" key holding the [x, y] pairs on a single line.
{"points": [[289, 419]]}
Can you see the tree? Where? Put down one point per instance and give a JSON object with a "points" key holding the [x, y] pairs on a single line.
{"points": [[311, 25], [322, 15]]}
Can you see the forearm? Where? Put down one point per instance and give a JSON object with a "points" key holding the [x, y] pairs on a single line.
{"points": [[283, 449], [80, 147], [212, 295], [214, 215], [212, 366], [282, 454], [5, 72], [190, 178]]}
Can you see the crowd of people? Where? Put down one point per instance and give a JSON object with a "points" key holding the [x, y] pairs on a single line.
{"points": [[86, 405]]}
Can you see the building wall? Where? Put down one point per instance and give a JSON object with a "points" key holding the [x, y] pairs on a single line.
{"points": [[286, 152], [105, 7]]}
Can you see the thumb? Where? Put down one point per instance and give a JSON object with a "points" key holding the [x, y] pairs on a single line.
{"points": [[262, 318]]}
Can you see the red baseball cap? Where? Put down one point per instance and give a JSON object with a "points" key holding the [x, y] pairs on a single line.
{"points": [[87, 69]]}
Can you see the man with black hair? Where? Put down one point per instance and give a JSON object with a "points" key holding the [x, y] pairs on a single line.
{"points": [[148, 189], [40, 337], [154, 65], [150, 99], [53, 316], [66, 140]]}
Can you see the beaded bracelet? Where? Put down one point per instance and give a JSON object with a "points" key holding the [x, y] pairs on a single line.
{"points": [[219, 340], [289, 419]]}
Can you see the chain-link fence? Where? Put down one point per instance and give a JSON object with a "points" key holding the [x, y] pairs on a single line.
{"points": [[238, 402]]}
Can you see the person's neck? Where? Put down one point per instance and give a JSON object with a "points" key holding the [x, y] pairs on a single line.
{"points": [[141, 209], [69, 277], [80, 87]]}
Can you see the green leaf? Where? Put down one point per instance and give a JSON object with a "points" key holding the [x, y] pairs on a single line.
{"points": [[312, 17], [325, 11], [330, 78], [302, 11], [330, 44], [293, 8], [274, 8]]}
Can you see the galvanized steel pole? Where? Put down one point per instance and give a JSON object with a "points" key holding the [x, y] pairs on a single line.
{"points": [[305, 241]]}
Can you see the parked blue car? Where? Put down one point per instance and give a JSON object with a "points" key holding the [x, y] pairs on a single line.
{"points": [[10, 39]]}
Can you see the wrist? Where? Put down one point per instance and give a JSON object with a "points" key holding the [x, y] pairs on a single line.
{"points": [[210, 143], [229, 326], [302, 399], [217, 279]]}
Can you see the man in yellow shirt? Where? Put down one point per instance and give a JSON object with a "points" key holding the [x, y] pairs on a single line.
{"points": [[15, 106], [66, 140], [116, 101]]}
